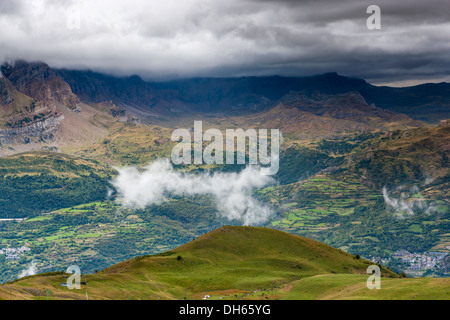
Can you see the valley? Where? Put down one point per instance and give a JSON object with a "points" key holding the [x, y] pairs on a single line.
{"points": [[356, 173]]}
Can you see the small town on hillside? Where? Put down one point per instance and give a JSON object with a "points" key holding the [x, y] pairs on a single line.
{"points": [[14, 253], [413, 264]]}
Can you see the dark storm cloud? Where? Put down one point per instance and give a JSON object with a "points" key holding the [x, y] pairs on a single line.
{"points": [[231, 38]]}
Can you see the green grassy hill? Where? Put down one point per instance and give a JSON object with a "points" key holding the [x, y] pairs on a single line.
{"points": [[229, 262]]}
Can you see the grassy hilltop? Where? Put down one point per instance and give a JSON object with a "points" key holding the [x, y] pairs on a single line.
{"points": [[235, 262]]}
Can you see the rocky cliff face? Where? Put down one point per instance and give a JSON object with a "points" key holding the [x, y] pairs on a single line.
{"points": [[39, 81], [44, 129], [34, 102], [24, 117]]}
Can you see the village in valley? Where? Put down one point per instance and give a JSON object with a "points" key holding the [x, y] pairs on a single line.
{"points": [[415, 264], [14, 253]]}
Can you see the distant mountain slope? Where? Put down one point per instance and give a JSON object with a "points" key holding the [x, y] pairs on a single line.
{"points": [[96, 87], [348, 106], [334, 114], [371, 194], [66, 108], [39, 110], [226, 261], [429, 102], [416, 156], [72, 110], [33, 183]]}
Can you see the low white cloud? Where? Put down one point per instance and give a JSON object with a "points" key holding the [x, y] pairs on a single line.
{"points": [[406, 204], [30, 270], [397, 204], [233, 192]]}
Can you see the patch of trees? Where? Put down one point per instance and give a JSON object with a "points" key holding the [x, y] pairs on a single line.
{"points": [[28, 195]]}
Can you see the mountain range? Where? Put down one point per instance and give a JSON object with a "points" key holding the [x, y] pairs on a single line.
{"points": [[426, 102], [62, 108]]}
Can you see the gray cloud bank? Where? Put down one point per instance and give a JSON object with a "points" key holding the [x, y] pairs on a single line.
{"points": [[175, 38], [233, 191]]}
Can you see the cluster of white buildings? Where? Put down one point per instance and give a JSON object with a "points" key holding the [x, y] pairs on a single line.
{"points": [[414, 261], [14, 253], [420, 261], [382, 261]]}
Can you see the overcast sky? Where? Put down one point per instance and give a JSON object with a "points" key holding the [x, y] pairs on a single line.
{"points": [[183, 38]]}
